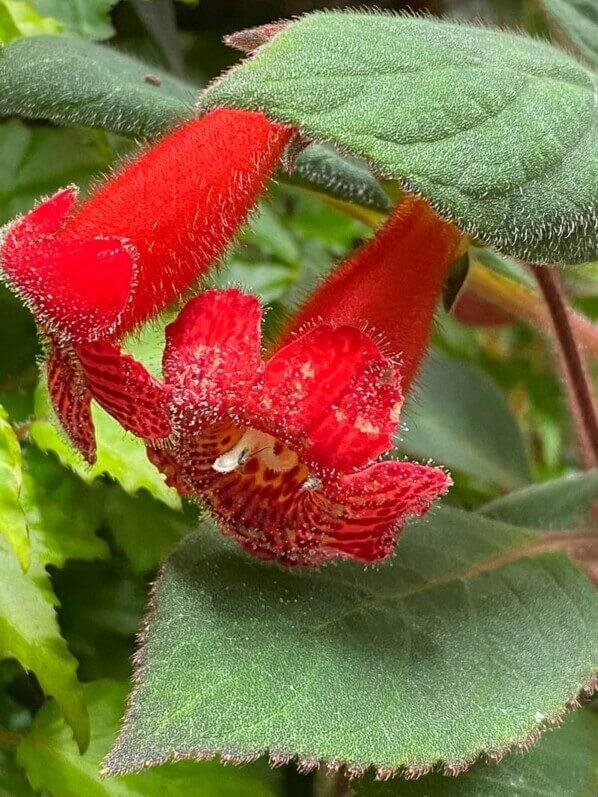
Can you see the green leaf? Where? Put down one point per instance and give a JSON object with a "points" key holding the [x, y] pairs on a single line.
{"points": [[87, 18], [111, 92], [13, 522], [38, 160], [62, 515], [471, 638], [577, 20], [145, 529], [12, 780], [459, 418], [53, 763], [267, 231], [499, 130], [120, 455], [562, 503], [320, 168], [561, 765], [102, 605], [20, 18]]}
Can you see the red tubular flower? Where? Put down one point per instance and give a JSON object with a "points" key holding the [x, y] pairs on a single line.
{"points": [[285, 451], [392, 283], [94, 271]]}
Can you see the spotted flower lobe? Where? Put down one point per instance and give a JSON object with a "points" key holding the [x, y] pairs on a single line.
{"points": [[392, 283], [282, 450]]}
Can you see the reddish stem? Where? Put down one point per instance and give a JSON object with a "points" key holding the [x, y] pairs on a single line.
{"points": [[577, 381]]}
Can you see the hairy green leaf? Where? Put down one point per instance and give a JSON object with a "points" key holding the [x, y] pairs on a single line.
{"points": [[62, 515], [497, 129], [577, 21], [112, 93], [111, 90], [561, 765], [120, 455], [87, 18], [459, 418], [320, 168], [13, 522], [562, 503], [53, 763], [471, 638]]}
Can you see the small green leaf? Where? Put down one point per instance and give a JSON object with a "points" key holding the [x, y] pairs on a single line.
{"points": [[562, 503], [53, 763], [469, 639], [62, 516], [111, 90], [459, 418], [577, 20], [561, 765], [120, 455], [19, 18], [87, 18], [499, 130], [320, 168], [13, 522]]}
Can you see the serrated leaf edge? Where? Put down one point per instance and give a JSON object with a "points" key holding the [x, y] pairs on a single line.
{"points": [[510, 242], [353, 769]]}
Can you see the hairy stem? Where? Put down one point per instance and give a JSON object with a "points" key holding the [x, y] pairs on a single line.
{"points": [[577, 382]]}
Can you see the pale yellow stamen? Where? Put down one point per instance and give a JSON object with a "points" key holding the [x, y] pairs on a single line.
{"points": [[256, 443]]}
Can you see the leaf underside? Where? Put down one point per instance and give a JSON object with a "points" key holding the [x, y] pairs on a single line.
{"points": [[398, 667], [497, 129]]}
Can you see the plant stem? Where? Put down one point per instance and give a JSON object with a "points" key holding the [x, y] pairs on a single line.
{"points": [[577, 381]]}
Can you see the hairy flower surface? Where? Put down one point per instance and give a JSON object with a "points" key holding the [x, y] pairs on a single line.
{"points": [[392, 283], [284, 451], [92, 271]]}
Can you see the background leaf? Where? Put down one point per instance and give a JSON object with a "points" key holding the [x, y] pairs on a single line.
{"points": [[35, 83], [562, 503], [120, 455], [459, 418], [112, 94], [561, 765], [36, 161], [87, 18], [53, 762], [13, 522], [577, 21], [422, 98], [20, 18], [145, 529], [242, 657], [62, 516]]}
